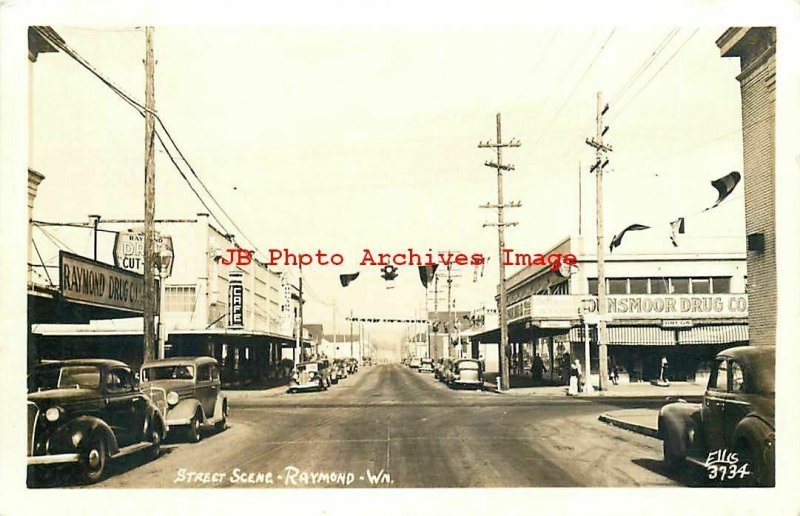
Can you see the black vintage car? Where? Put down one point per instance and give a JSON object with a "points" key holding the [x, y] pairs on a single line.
{"points": [[84, 412], [735, 423]]}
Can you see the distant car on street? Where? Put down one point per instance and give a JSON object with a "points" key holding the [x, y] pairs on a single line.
{"points": [[314, 375], [193, 392], [414, 363], [341, 369], [466, 372], [426, 365], [84, 412], [441, 367], [735, 423]]}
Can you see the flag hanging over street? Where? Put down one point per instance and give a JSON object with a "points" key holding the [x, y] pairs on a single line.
{"points": [[346, 279], [725, 185], [426, 273], [677, 226], [617, 240]]}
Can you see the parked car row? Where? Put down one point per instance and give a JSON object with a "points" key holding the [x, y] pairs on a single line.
{"points": [[456, 373], [319, 375], [83, 413]]}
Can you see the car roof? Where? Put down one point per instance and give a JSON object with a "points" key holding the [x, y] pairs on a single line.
{"points": [[180, 361], [85, 361], [749, 353]]}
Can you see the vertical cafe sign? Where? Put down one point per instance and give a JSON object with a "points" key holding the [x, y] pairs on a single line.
{"points": [[235, 301]]}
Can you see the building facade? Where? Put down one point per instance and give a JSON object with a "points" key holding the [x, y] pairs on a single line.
{"points": [[755, 48]]}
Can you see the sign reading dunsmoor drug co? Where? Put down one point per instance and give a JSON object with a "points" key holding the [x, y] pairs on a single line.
{"points": [[235, 301], [678, 305], [95, 283]]}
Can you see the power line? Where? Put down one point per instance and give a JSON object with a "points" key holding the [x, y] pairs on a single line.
{"points": [[645, 65]]}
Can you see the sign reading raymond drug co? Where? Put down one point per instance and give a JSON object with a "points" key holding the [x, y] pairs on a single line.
{"points": [[95, 283]]}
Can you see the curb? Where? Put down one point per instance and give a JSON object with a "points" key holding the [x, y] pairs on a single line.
{"points": [[633, 427]]}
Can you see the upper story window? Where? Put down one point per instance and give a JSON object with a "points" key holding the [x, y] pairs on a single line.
{"points": [[637, 285], [617, 286], [701, 285], [664, 285]]}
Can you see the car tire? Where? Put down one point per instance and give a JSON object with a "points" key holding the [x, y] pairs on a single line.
{"points": [[92, 466], [154, 438], [222, 424], [675, 463], [757, 476], [193, 430]]}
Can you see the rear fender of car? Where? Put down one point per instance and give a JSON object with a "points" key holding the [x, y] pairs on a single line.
{"points": [[678, 428], [221, 404], [185, 409], [759, 437], [73, 435]]}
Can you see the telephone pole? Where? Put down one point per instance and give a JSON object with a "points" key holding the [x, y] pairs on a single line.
{"points": [[501, 224], [149, 202], [600, 163], [300, 313]]}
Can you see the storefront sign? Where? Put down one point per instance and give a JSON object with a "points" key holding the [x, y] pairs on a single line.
{"points": [[235, 301], [129, 250], [98, 284], [619, 307], [677, 323], [554, 324]]}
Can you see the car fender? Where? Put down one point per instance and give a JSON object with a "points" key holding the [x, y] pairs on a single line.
{"points": [[222, 401], [760, 437], [678, 427], [83, 428], [185, 409], [157, 419]]}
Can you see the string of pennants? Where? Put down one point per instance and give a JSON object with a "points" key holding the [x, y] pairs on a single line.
{"points": [[724, 186], [426, 273], [380, 320]]}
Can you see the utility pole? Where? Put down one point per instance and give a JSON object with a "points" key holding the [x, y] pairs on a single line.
{"points": [[302, 344], [351, 333], [600, 163], [149, 201], [501, 224], [334, 331]]}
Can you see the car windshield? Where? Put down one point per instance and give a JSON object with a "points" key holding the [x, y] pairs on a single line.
{"points": [[168, 372], [307, 367], [65, 377]]}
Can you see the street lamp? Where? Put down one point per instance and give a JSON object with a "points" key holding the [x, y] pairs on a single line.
{"points": [[164, 263]]}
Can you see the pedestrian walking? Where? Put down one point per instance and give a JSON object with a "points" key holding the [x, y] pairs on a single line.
{"points": [[664, 366], [613, 371], [537, 369]]}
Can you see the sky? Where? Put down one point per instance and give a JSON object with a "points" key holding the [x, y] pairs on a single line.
{"points": [[350, 138]]}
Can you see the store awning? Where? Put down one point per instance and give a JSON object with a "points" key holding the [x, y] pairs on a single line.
{"points": [[630, 336], [724, 334]]}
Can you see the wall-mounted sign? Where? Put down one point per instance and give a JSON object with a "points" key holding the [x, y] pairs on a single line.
{"points": [[554, 324], [235, 301], [676, 323], [129, 250], [99, 284]]}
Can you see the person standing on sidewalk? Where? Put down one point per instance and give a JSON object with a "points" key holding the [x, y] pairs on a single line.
{"points": [[537, 369]]}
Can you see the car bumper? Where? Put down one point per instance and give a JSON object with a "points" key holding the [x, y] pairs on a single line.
{"points": [[467, 382], [63, 458], [304, 386]]}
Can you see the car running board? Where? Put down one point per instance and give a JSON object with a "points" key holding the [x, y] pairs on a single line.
{"points": [[132, 449], [696, 462]]}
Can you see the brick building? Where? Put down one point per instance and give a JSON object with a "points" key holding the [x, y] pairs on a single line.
{"points": [[755, 47]]}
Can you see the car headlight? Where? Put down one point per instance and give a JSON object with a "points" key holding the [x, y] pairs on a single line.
{"points": [[172, 398], [52, 414]]}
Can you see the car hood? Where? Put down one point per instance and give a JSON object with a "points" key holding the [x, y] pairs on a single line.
{"points": [[61, 395]]}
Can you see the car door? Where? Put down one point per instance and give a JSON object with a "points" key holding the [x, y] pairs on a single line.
{"points": [[124, 407], [737, 404], [204, 390], [714, 401]]}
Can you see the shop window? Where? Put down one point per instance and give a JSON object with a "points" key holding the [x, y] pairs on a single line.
{"points": [[659, 285], [721, 285], [179, 298], [701, 285], [638, 285], [593, 286], [617, 286], [679, 285]]}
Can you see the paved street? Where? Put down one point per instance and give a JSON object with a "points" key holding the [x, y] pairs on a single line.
{"points": [[391, 426]]}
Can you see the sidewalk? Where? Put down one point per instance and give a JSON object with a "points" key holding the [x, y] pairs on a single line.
{"points": [[628, 390], [237, 395], [642, 420]]}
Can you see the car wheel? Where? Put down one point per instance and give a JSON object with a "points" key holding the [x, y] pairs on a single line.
{"points": [[93, 461], [155, 443], [674, 462], [222, 424], [758, 474], [193, 431]]}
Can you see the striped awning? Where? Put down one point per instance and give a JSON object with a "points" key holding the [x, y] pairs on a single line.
{"points": [[630, 336], [723, 334]]}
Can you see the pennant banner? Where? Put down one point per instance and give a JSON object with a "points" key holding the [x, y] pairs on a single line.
{"points": [[381, 320], [617, 240], [725, 185], [677, 227], [426, 273], [346, 279]]}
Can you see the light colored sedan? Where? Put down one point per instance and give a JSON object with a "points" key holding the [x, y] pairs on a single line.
{"points": [[467, 372]]}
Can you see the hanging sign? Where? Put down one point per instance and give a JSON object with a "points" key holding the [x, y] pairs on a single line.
{"points": [[235, 301], [94, 283]]}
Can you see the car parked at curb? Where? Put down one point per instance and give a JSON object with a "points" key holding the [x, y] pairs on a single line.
{"points": [[466, 372], [414, 363], [194, 396], [313, 375], [735, 423], [84, 412], [425, 365]]}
